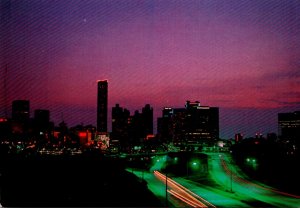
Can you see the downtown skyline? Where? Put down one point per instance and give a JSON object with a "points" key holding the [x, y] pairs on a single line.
{"points": [[240, 56]]}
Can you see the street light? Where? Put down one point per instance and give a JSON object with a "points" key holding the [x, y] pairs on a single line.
{"points": [[166, 167], [166, 189], [194, 164]]}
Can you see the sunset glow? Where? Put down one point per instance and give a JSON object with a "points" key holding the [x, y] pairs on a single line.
{"points": [[242, 57]]}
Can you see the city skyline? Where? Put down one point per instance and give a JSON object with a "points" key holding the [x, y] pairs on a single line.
{"points": [[22, 108], [241, 57]]}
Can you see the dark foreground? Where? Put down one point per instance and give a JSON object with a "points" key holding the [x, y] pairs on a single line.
{"points": [[74, 181]]}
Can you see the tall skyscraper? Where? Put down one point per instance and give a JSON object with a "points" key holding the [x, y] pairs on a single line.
{"points": [[20, 110], [120, 126], [163, 124], [120, 122], [147, 116], [102, 106]]}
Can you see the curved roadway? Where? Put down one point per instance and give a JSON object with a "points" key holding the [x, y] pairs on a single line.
{"points": [[225, 186]]}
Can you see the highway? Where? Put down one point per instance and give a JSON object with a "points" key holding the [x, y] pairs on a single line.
{"points": [[180, 192], [229, 176], [158, 188], [224, 186]]}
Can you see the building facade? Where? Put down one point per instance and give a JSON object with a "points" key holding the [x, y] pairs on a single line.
{"points": [[102, 101], [147, 117], [20, 110], [41, 121], [289, 125], [131, 130], [163, 125], [192, 124], [120, 126]]}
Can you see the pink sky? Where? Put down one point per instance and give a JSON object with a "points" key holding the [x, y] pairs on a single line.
{"points": [[236, 55]]}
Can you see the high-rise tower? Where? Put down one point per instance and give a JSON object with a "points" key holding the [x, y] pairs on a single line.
{"points": [[102, 106], [147, 116]]}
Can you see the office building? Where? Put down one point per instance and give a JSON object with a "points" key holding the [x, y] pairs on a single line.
{"points": [[163, 125], [192, 124], [20, 110], [147, 117], [120, 126], [102, 106], [41, 120], [131, 130], [202, 122], [136, 131], [141, 124], [289, 125]]}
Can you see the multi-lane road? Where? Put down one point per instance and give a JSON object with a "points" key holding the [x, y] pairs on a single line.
{"points": [[224, 186], [226, 174]]}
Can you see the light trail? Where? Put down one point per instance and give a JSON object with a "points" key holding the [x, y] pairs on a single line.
{"points": [[183, 193], [187, 190], [175, 194], [192, 193], [241, 180], [175, 186], [188, 197]]}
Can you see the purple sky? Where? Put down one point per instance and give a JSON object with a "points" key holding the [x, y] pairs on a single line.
{"points": [[240, 56]]}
